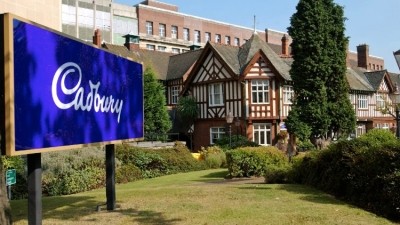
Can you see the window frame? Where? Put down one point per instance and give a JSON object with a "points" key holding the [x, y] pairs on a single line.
{"points": [[174, 94], [174, 32], [186, 34], [218, 131], [162, 30], [288, 94], [207, 36], [149, 27], [212, 94], [362, 102], [257, 94], [217, 38], [262, 132], [197, 37]]}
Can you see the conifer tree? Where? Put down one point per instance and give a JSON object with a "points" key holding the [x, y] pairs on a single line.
{"points": [[319, 70], [156, 119]]}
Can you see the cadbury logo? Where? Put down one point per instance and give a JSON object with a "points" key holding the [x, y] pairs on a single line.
{"points": [[92, 101]]}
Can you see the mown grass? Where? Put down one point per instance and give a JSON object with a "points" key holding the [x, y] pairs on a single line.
{"points": [[202, 197]]}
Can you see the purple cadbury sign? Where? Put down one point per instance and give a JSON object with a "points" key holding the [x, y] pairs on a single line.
{"points": [[70, 93]]}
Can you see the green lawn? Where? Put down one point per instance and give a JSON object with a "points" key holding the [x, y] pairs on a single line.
{"points": [[200, 198]]}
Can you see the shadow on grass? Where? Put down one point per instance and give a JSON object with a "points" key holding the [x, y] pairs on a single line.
{"points": [[148, 217], [311, 194], [219, 174], [73, 208]]}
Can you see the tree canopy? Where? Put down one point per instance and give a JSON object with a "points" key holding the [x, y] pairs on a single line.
{"points": [[321, 106], [156, 118]]}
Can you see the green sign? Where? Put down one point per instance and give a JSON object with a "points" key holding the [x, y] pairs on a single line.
{"points": [[11, 177]]}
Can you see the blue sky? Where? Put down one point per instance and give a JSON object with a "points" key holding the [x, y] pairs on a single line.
{"points": [[372, 22]]}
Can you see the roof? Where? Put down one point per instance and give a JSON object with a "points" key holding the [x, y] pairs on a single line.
{"points": [[357, 80], [180, 64], [156, 59], [238, 58], [375, 78]]}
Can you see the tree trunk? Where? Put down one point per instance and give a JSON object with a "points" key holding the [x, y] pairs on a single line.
{"points": [[5, 210]]}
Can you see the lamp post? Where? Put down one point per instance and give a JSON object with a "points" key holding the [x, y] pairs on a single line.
{"points": [[237, 124], [229, 120], [397, 57], [395, 96]]}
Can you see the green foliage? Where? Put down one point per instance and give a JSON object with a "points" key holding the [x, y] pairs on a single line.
{"points": [[235, 141], [19, 189], [364, 171], [213, 156], [156, 118], [253, 161], [321, 103], [74, 171], [158, 162], [187, 108]]}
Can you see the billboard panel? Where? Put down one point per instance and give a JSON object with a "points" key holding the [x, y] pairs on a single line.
{"points": [[60, 92]]}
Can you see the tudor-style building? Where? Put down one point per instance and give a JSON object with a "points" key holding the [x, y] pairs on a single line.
{"points": [[253, 83], [248, 81]]}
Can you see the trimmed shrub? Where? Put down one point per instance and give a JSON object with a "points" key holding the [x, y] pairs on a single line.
{"points": [[253, 161], [236, 141], [214, 157], [364, 171]]}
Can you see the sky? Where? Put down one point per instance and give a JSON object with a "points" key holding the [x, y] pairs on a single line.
{"points": [[372, 22]]}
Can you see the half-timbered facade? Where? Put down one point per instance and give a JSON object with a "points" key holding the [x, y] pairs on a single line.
{"points": [[246, 81], [251, 82]]}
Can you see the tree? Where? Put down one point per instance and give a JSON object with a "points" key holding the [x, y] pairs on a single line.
{"points": [[321, 104], [5, 213], [156, 118]]}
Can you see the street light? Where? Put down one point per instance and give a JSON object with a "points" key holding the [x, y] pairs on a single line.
{"points": [[237, 124], [395, 96], [397, 57], [229, 120]]}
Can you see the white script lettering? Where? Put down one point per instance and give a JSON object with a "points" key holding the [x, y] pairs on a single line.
{"points": [[93, 99]]}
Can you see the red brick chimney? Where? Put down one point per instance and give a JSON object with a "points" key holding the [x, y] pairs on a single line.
{"points": [[285, 45], [131, 42], [97, 38], [363, 56]]}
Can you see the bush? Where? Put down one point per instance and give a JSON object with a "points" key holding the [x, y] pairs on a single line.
{"points": [[253, 161], [364, 171], [73, 171], [235, 141], [20, 189], [213, 156]]}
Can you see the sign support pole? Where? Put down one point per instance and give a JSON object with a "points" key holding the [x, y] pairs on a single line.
{"points": [[34, 189], [110, 176]]}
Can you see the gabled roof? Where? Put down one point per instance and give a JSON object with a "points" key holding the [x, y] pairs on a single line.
{"points": [[395, 78], [254, 45], [357, 80], [156, 59], [180, 64], [376, 78]]}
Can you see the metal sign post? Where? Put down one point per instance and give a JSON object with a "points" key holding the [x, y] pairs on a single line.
{"points": [[11, 178], [110, 176], [34, 189]]}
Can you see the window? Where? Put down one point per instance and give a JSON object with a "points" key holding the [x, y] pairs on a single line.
{"points": [[237, 41], [380, 101], [207, 36], [174, 32], [149, 28], [362, 101], [215, 93], [186, 34], [287, 94], [360, 130], [197, 36], [174, 94], [176, 50], [260, 91], [162, 48], [227, 40], [161, 29], [217, 38], [262, 133], [216, 133], [150, 47], [382, 126]]}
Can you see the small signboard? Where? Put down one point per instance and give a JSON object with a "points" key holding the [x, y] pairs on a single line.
{"points": [[61, 93], [11, 177]]}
